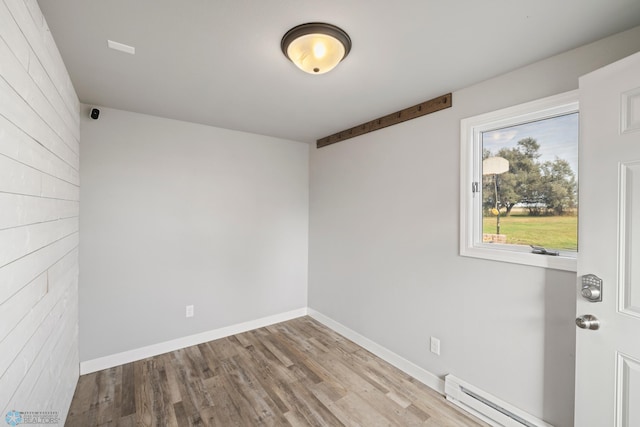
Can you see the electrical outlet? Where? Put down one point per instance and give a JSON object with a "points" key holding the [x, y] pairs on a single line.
{"points": [[435, 345], [189, 311]]}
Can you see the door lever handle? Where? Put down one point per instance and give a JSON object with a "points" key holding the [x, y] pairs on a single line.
{"points": [[588, 321]]}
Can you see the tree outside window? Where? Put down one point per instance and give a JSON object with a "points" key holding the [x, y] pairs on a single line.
{"points": [[538, 195]]}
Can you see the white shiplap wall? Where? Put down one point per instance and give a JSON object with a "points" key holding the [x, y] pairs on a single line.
{"points": [[39, 206]]}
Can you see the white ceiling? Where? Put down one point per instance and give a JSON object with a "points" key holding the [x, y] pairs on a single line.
{"points": [[218, 62]]}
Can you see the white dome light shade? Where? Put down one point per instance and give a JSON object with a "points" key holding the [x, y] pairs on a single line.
{"points": [[315, 53], [316, 48]]}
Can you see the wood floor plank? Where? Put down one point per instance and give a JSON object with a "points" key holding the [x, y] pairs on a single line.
{"points": [[85, 394], [173, 390], [361, 412], [258, 398], [224, 412], [272, 346], [268, 362], [190, 401], [311, 408], [127, 403], [142, 396], [162, 403], [267, 379], [107, 395], [223, 348], [295, 373], [247, 415], [403, 386], [243, 339], [328, 399], [182, 418], [127, 421]]}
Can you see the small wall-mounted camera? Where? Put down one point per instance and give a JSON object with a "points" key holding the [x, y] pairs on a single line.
{"points": [[94, 113]]}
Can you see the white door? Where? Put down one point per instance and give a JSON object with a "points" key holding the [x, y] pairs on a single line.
{"points": [[608, 359]]}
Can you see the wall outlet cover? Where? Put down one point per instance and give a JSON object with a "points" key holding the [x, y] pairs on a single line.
{"points": [[435, 345]]}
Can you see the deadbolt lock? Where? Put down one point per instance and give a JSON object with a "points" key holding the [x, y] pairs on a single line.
{"points": [[591, 288]]}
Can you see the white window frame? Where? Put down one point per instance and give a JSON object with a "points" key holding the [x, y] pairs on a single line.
{"points": [[471, 129]]}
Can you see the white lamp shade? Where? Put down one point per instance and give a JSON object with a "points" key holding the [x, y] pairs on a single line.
{"points": [[494, 165], [316, 53]]}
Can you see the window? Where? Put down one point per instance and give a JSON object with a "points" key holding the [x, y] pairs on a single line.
{"points": [[519, 184]]}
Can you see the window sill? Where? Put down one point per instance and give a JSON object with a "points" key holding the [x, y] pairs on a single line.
{"points": [[508, 254]]}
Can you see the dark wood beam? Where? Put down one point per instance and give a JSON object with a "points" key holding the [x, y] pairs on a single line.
{"points": [[431, 106]]}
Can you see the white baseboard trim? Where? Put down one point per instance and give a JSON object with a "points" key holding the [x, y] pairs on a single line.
{"points": [[422, 375], [93, 365]]}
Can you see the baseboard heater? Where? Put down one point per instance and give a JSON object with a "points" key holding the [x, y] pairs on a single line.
{"points": [[488, 408]]}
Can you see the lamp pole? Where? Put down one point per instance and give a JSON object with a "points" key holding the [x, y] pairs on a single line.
{"points": [[495, 166], [495, 186]]}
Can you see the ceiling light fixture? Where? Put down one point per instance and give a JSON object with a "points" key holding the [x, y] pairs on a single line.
{"points": [[316, 47]]}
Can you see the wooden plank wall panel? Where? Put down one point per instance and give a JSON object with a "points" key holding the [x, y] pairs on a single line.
{"points": [[17, 178], [30, 238], [35, 356], [20, 146], [25, 299], [16, 109], [46, 56], [39, 208], [17, 210], [13, 38], [15, 275], [60, 78], [58, 341]]}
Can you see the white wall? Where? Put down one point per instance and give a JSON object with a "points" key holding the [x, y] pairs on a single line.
{"points": [[175, 213], [39, 198], [384, 216]]}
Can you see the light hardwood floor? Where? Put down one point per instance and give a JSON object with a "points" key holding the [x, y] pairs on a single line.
{"points": [[297, 373]]}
